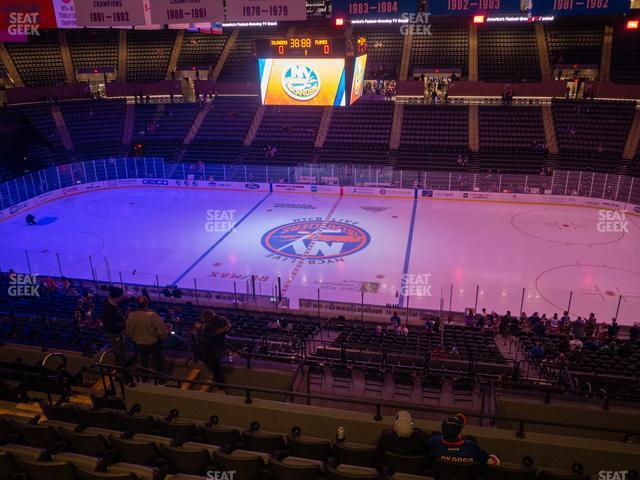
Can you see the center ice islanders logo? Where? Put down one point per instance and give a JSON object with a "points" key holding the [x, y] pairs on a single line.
{"points": [[299, 240], [301, 82]]}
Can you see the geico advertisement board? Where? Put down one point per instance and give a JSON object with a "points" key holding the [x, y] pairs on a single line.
{"points": [[357, 85], [302, 81]]}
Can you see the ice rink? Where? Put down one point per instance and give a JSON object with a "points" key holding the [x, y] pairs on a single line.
{"points": [[430, 253]]}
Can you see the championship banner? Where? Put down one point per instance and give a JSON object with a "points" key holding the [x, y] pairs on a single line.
{"points": [[110, 13], [266, 10], [21, 19], [186, 11], [65, 11]]}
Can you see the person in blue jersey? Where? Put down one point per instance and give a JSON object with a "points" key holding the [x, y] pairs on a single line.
{"points": [[451, 446]]}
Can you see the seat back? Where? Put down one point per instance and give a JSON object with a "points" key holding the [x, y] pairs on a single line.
{"points": [[220, 436], [332, 474], [89, 444], [7, 465], [96, 417], [137, 423], [263, 442], [313, 449], [353, 454], [190, 461], [185, 431], [138, 453], [495, 472], [282, 471], [94, 475], [552, 475], [46, 470], [414, 464], [61, 413], [456, 471], [38, 436], [247, 468]]}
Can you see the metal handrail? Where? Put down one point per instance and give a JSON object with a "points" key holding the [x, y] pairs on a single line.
{"points": [[133, 372]]}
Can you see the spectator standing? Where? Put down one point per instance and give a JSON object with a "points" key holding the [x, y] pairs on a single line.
{"points": [[579, 328], [147, 330], [565, 324], [215, 330], [113, 323]]}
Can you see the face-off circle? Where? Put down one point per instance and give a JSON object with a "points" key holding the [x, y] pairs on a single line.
{"points": [[564, 226], [595, 285]]}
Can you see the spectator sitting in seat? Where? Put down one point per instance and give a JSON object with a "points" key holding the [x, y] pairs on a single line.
{"points": [[395, 320], [575, 344], [634, 333], [403, 439], [613, 329], [537, 352], [451, 446]]}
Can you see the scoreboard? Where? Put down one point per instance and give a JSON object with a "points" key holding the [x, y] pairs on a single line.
{"points": [[580, 7], [311, 70], [301, 47], [477, 7]]}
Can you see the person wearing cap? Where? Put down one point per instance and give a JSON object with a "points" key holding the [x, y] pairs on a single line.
{"points": [[147, 330], [113, 322], [451, 446], [403, 439]]}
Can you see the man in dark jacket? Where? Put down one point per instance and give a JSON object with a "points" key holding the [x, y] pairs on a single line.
{"points": [[451, 446], [403, 439], [113, 322]]}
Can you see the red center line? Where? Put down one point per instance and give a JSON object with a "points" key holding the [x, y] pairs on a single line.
{"points": [[301, 261]]}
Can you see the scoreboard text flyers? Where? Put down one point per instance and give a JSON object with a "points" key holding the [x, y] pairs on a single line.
{"points": [[186, 11], [266, 10], [109, 13]]}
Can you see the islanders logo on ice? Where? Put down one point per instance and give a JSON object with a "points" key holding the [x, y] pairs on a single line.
{"points": [[301, 82], [315, 241]]}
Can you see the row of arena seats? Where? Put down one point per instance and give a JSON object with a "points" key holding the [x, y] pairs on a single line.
{"points": [[620, 358], [596, 131], [591, 134], [102, 443], [467, 343], [506, 53]]}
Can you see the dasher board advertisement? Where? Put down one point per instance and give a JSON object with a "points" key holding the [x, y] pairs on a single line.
{"points": [[302, 81]]}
